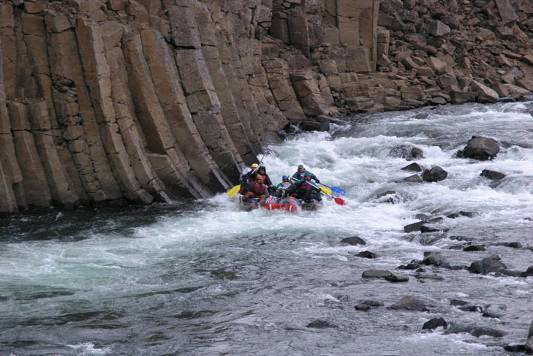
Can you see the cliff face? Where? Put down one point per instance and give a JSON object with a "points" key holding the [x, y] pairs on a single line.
{"points": [[124, 100], [141, 100]]}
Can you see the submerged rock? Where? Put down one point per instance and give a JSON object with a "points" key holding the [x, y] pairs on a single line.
{"points": [[411, 303], [480, 148], [492, 175], [421, 226], [366, 254], [407, 152], [467, 214], [366, 305], [474, 248], [488, 265], [435, 259], [353, 240], [413, 167], [386, 275], [224, 274], [320, 324], [434, 324], [435, 174], [476, 331], [415, 178], [529, 342]]}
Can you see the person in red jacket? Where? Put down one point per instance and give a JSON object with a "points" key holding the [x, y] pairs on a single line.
{"points": [[257, 189]]}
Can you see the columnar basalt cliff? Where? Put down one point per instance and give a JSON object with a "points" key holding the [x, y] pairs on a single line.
{"points": [[152, 100]]}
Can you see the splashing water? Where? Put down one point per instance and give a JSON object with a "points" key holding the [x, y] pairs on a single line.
{"points": [[207, 278]]}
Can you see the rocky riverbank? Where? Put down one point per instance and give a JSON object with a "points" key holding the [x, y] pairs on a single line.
{"points": [[109, 102]]}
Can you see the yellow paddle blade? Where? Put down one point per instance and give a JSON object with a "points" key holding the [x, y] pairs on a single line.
{"points": [[326, 190], [232, 193]]}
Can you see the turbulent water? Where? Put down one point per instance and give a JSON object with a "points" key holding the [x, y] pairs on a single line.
{"points": [[207, 279]]}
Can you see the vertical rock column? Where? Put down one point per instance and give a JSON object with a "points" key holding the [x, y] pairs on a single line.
{"points": [[219, 76], [9, 169], [199, 90], [97, 74], [165, 79]]}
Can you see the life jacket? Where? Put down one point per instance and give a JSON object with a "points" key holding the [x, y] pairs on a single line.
{"points": [[257, 188]]}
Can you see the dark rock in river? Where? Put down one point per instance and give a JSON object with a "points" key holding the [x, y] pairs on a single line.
{"points": [[366, 305], [435, 174], [528, 272], [467, 214], [492, 175], [411, 303], [480, 148], [353, 240], [509, 244], [224, 274], [474, 248], [476, 331], [386, 275], [458, 302], [435, 259], [414, 264], [413, 167], [488, 265], [529, 343], [320, 324], [366, 254], [408, 152], [415, 178], [418, 226], [389, 196], [434, 324], [515, 348]]}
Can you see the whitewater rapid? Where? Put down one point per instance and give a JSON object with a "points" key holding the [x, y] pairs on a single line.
{"points": [[206, 278]]}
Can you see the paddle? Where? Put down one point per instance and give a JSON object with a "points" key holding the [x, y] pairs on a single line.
{"points": [[232, 193], [337, 190]]}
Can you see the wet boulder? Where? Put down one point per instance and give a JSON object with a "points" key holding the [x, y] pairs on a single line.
{"points": [[529, 342], [366, 254], [411, 303], [435, 259], [459, 214], [474, 248], [415, 178], [421, 225], [435, 174], [386, 275], [388, 196], [513, 244], [515, 348], [435, 323], [527, 273], [492, 264], [476, 331], [408, 152], [480, 148], [492, 175], [366, 305], [413, 167], [320, 324], [353, 241]]}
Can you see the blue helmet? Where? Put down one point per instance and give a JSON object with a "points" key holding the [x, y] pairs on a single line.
{"points": [[285, 178]]}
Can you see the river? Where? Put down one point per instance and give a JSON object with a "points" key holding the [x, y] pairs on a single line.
{"points": [[203, 278]]}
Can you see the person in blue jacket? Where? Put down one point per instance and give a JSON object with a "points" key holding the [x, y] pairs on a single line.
{"points": [[302, 172]]}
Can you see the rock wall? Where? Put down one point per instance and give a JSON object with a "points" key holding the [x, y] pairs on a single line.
{"points": [[151, 100], [114, 101]]}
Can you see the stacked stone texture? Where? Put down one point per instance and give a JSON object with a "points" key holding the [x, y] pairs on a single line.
{"points": [[106, 101]]}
